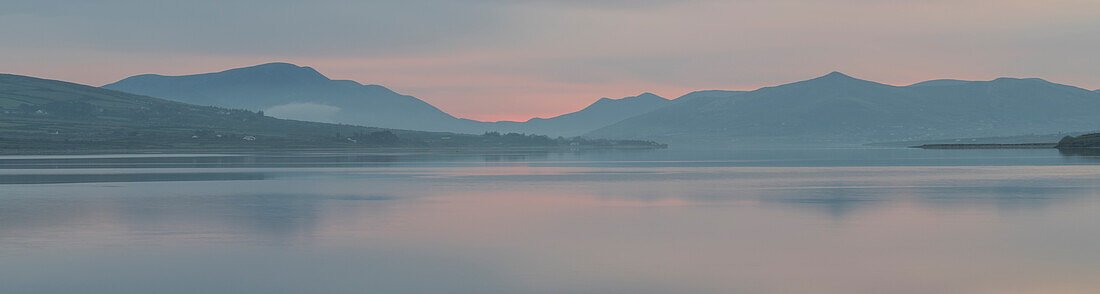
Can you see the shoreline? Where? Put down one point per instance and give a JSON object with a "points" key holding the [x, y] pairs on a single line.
{"points": [[989, 146]]}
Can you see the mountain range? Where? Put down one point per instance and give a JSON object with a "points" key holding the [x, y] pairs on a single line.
{"points": [[295, 92], [831, 108]]}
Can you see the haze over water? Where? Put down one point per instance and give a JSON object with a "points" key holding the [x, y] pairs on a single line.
{"points": [[657, 221]]}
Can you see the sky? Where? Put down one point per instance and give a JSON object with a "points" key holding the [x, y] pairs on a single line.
{"points": [[512, 60]]}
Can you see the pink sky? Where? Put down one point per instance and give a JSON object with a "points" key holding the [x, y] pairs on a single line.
{"points": [[513, 60]]}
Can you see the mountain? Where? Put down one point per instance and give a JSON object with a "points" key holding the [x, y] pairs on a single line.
{"points": [[41, 115], [604, 111], [289, 91], [839, 108]]}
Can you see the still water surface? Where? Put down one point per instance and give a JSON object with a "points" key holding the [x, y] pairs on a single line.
{"points": [[662, 221]]}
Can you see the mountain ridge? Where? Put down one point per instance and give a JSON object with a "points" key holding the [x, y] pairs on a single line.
{"points": [[837, 107]]}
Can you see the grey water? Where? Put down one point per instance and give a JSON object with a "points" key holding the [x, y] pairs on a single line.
{"points": [[842, 220]]}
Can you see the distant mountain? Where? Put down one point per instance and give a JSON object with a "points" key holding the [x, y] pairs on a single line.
{"points": [[289, 91], [604, 111], [294, 92], [40, 115], [839, 108]]}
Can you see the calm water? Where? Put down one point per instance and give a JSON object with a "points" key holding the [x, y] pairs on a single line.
{"points": [[665, 221]]}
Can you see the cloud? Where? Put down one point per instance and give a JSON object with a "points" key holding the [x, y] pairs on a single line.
{"points": [[258, 27]]}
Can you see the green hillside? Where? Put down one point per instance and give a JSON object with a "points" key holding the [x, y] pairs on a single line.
{"points": [[39, 114]]}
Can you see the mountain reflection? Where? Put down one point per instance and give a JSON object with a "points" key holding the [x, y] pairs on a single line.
{"points": [[268, 218], [288, 203], [553, 222], [1082, 153], [836, 202]]}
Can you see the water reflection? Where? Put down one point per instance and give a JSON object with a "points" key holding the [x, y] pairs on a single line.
{"points": [[127, 177], [1008, 196], [513, 224], [567, 158]]}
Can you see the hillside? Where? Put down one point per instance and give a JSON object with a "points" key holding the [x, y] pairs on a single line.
{"points": [[40, 114], [1082, 141], [842, 109]]}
